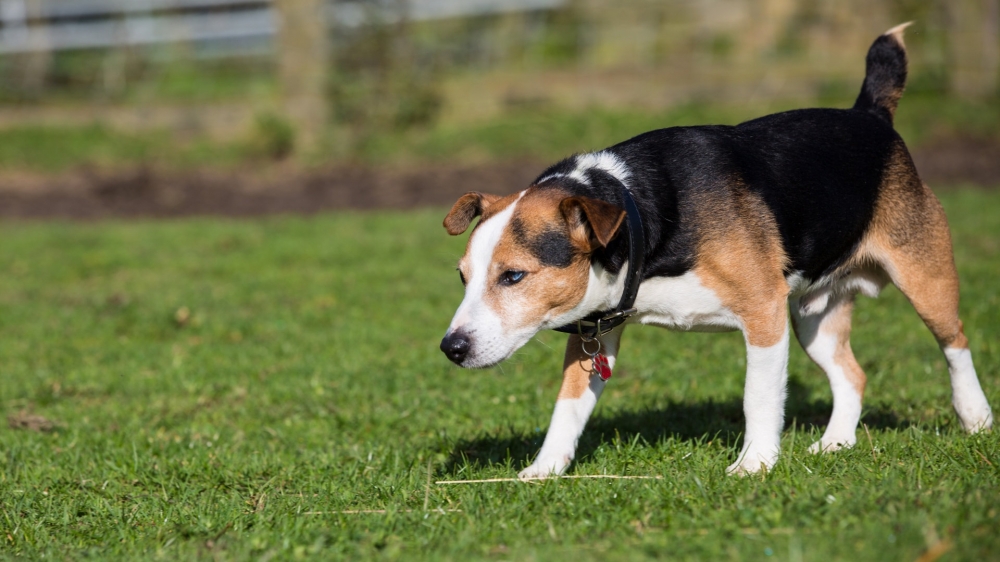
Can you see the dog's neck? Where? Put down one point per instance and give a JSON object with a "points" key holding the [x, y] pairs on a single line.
{"points": [[604, 289]]}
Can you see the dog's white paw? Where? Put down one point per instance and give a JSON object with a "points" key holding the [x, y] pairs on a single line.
{"points": [[753, 461], [976, 418], [831, 444], [546, 467]]}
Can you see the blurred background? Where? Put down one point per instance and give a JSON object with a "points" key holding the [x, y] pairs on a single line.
{"points": [[168, 107]]}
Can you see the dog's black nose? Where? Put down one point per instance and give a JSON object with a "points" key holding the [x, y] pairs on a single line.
{"points": [[456, 346]]}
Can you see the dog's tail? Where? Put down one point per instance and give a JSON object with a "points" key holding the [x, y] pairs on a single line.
{"points": [[885, 74]]}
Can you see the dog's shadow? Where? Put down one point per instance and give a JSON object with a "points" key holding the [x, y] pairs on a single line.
{"points": [[711, 420]]}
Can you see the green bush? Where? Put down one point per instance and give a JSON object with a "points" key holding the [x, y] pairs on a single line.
{"points": [[273, 137]]}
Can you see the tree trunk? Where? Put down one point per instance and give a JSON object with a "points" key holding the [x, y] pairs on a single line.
{"points": [[303, 66]]}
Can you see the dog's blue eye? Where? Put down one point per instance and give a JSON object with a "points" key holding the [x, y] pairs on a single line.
{"points": [[511, 277]]}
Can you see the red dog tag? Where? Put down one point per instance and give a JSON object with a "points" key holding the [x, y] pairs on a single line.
{"points": [[601, 366]]}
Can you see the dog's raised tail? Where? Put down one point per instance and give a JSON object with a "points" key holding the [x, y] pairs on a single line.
{"points": [[885, 74]]}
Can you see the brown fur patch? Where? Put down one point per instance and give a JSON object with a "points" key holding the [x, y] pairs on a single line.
{"points": [[577, 368], [498, 205], [538, 211], [468, 207], [910, 239], [592, 221], [741, 259]]}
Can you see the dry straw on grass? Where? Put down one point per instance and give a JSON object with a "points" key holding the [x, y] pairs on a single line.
{"points": [[570, 477]]}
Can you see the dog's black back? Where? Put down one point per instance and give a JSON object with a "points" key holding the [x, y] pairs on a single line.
{"points": [[819, 171]]}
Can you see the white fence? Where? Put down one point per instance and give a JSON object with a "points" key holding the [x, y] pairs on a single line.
{"points": [[244, 25]]}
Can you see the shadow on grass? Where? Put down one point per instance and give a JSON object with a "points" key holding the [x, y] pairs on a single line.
{"points": [[705, 421]]}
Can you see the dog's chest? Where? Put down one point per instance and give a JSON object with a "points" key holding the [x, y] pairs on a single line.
{"points": [[683, 303]]}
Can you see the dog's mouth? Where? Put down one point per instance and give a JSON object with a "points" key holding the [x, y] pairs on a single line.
{"points": [[483, 366], [469, 352]]}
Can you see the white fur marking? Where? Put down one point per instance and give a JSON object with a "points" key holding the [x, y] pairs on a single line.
{"points": [[814, 296], [481, 323], [683, 303], [764, 406], [604, 161], [822, 349], [967, 395], [841, 431], [897, 32], [568, 420], [797, 283], [815, 302]]}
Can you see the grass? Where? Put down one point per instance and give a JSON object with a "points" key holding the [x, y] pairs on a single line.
{"points": [[539, 134], [56, 149], [162, 75], [228, 389], [551, 135]]}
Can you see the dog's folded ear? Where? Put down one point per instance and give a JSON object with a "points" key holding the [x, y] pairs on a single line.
{"points": [[468, 207], [592, 223]]}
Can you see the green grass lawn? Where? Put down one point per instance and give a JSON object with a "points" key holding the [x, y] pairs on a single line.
{"points": [[234, 389], [551, 135], [534, 134]]}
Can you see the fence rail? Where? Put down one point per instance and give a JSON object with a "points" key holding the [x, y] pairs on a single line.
{"points": [[37, 25]]}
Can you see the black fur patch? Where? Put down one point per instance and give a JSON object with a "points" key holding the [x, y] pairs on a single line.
{"points": [[885, 78], [551, 247], [818, 171]]}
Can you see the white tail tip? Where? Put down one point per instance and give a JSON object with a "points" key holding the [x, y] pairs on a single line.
{"points": [[897, 32]]}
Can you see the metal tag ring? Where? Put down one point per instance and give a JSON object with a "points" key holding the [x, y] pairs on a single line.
{"points": [[583, 345]]}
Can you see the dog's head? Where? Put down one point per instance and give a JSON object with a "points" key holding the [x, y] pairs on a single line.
{"points": [[527, 267]]}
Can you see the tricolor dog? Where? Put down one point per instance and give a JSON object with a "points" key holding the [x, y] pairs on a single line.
{"points": [[726, 228]]}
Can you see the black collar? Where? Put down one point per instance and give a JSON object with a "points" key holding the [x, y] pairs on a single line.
{"points": [[600, 323]]}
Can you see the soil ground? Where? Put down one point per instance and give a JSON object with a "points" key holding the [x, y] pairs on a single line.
{"points": [[148, 192]]}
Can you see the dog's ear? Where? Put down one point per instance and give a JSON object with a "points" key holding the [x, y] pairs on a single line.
{"points": [[468, 207], [592, 223]]}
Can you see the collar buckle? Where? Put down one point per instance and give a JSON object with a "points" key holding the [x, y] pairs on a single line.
{"points": [[603, 324], [620, 314]]}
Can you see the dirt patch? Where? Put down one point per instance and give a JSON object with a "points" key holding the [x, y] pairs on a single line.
{"points": [[149, 192], [958, 161], [31, 422], [92, 194]]}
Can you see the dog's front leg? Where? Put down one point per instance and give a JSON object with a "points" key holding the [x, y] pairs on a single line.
{"points": [[581, 387], [764, 396]]}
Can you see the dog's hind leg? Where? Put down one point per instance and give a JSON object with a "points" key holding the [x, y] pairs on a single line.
{"points": [[921, 264], [825, 336], [581, 387], [930, 282]]}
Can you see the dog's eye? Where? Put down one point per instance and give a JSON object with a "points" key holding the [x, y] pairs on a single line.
{"points": [[462, 277], [511, 277]]}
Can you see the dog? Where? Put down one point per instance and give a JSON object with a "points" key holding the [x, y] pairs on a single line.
{"points": [[733, 228]]}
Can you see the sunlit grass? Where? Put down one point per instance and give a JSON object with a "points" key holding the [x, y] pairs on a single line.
{"points": [[228, 389]]}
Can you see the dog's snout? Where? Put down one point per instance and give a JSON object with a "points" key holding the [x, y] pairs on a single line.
{"points": [[456, 346]]}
